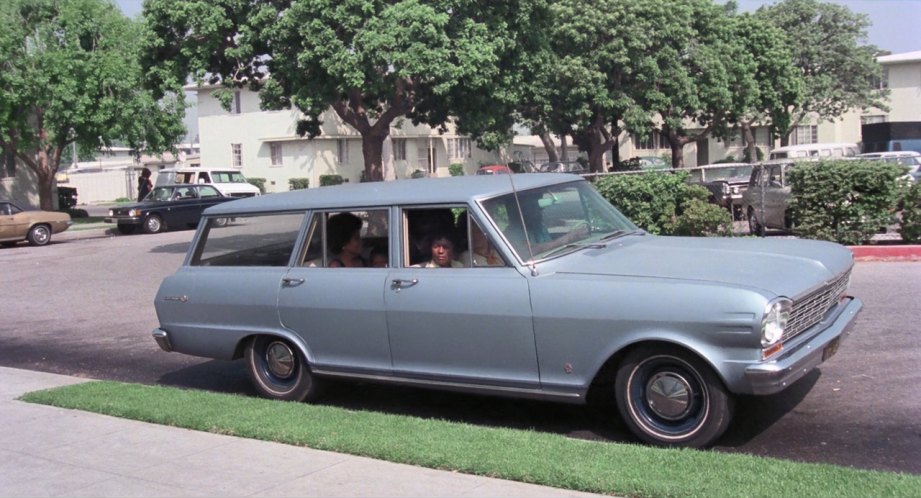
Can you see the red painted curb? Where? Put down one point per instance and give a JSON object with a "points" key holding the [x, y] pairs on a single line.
{"points": [[887, 253]]}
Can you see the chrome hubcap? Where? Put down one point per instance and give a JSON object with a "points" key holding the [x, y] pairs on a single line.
{"points": [[669, 395], [41, 235], [280, 359]]}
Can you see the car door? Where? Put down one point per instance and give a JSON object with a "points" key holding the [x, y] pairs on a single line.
{"points": [[470, 326], [776, 196], [338, 311], [185, 208]]}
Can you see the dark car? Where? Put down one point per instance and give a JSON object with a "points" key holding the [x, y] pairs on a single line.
{"points": [[165, 207], [726, 183], [563, 167]]}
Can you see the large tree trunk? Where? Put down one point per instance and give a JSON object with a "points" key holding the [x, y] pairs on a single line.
{"points": [[564, 148], [599, 141], [748, 138], [372, 147], [549, 146]]}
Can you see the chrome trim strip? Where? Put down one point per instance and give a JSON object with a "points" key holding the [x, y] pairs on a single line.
{"points": [[445, 384]]}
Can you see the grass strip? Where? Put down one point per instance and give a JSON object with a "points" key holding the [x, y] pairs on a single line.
{"points": [[520, 455]]}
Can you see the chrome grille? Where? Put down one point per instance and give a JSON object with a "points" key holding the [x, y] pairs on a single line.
{"points": [[810, 309]]}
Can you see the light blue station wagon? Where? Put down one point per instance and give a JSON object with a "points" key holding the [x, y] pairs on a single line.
{"points": [[512, 285]]}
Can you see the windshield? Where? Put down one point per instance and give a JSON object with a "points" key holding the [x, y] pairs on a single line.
{"points": [[570, 215], [227, 177], [727, 173]]}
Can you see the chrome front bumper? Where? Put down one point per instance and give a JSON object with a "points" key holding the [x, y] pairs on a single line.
{"points": [[162, 338], [774, 376]]}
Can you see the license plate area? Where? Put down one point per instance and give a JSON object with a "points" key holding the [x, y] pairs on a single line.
{"points": [[831, 348]]}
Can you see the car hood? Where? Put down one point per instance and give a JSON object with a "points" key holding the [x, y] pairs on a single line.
{"points": [[783, 267]]}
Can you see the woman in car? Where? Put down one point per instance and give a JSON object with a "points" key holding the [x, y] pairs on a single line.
{"points": [[344, 231]]}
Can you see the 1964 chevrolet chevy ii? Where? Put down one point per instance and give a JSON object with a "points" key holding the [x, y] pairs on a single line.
{"points": [[529, 285]]}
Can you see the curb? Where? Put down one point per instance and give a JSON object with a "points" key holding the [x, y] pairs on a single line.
{"points": [[887, 253]]}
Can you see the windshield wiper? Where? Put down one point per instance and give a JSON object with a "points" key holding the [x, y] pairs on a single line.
{"points": [[617, 233]]}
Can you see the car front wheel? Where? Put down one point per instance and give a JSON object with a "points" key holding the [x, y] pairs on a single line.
{"points": [[754, 226], [279, 370], [153, 224], [39, 235], [668, 397]]}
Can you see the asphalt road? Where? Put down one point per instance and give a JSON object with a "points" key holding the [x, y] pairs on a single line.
{"points": [[84, 307]]}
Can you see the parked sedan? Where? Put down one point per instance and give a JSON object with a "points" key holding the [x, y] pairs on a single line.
{"points": [[167, 207], [726, 183], [537, 288], [563, 167], [36, 226]]}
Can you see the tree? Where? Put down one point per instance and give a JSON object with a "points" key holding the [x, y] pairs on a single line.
{"points": [[767, 86], [828, 45], [71, 75], [373, 61], [691, 83]]}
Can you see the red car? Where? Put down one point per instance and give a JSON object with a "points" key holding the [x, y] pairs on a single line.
{"points": [[494, 169]]}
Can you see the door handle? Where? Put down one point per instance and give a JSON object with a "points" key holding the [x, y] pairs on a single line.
{"points": [[399, 284], [291, 282]]}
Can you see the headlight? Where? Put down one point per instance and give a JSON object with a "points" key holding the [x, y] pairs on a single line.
{"points": [[134, 212], [111, 212], [776, 315]]}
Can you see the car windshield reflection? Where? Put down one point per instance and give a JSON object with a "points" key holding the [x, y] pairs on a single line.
{"points": [[553, 221]]}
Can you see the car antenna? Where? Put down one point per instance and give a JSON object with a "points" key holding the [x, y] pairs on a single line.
{"points": [[527, 240]]}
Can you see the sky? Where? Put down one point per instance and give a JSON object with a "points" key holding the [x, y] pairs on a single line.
{"points": [[895, 25]]}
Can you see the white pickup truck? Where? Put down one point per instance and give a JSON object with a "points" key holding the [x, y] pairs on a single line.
{"points": [[229, 181]]}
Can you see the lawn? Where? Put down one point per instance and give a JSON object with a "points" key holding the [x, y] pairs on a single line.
{"points": [[520, 455]]}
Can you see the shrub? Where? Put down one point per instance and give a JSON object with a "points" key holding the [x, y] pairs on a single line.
{"points": [[845, 201], [456, 169], [258, 182], [699, 218], [298, 183], [910, 226], [327, 180]]}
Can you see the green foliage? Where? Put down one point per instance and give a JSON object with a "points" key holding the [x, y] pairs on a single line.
{"points": [[910, 226], [71, 75], [326, 180], [662, 202], [746, 157], [298, 183], [456, 169], [843, 201], [373, 61], [257, 182], [826, 40]]}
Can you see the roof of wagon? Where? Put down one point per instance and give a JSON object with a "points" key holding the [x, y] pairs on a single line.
{"points": [[460, 189]]}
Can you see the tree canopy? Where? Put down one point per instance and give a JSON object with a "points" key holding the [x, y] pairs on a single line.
{"points": [[838, 67], [373, 61], [71, 75]]}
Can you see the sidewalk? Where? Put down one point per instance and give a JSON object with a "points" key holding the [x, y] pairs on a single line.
{"points": [[48, 451]]}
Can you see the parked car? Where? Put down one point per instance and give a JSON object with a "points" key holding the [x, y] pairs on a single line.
{"points": [[765, 200], [726, 183], [228, 181], [827, 150], [166, 207], [563, 167], [910, 159], [493, 169], [653, 162], [671, 328], [34, 225]]}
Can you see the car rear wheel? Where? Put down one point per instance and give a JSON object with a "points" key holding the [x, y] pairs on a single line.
{"points": [[754, 226], [153, 224], [669, 397], [279, 370], [39, 235]]}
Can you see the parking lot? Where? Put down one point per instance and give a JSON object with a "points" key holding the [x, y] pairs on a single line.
{"points": [[84, 306]]}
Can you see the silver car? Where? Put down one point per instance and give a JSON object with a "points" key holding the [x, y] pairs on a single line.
{"points": [[765, 201], [531, 286]]}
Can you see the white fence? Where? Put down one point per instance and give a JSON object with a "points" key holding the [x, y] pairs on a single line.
{"points": [[103, 186]]}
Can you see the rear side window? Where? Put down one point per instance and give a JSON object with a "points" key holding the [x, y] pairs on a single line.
{"points": [[251, 241]]}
